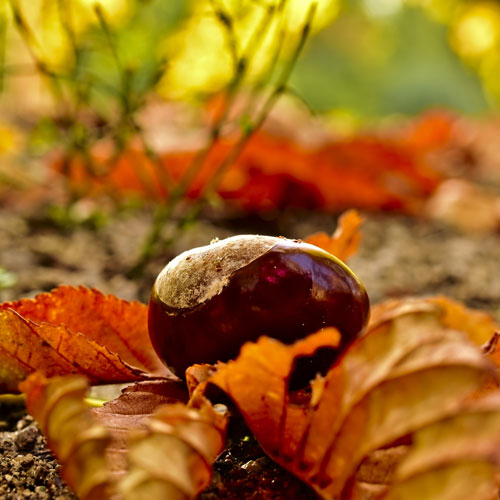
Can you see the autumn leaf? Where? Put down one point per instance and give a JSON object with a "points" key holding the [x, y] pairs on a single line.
{"points": [[144, 442], [27, 347], [466, 206], [76, 331], [274, 172], [119, 325], [478, 325], [76, 438], [406, 373], [430, 131], [345, 240], [442, 459], [448, 453], [129, 412], [173, 457]]}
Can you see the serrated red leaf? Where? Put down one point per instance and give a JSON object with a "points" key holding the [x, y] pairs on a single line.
{"points": [[116, 324], [27, 347]]}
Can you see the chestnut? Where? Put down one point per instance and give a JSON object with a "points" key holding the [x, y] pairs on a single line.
{"points": [[207, 302]]}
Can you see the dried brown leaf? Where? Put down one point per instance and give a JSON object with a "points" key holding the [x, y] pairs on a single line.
{"points": [[173, 457], [405, 373], [454, 458], [130, 411], [75, 437], [465, 206], [145, 440], [479, 326]]}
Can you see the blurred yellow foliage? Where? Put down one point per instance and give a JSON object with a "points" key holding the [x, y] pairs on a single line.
{"points": [[440, 10], [201, 52], [51, 20], [474, 34], [477, 29], [10, 138]]}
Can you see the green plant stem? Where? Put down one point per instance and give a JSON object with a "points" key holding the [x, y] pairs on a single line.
{"points": [[278, 90], [164, 212], [241, 69], [34, 49], [129, 125]]}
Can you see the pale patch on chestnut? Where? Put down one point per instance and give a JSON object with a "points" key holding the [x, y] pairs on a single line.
{"points": [[196, 275]]}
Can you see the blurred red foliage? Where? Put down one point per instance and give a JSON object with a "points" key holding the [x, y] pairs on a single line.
{"points": [[273, 172]]}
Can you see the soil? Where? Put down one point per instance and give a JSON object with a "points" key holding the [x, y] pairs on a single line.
{"points": [[399, 256]]}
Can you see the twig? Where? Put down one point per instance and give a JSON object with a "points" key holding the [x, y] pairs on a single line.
{"points": [[164, 212], [279, 89]]}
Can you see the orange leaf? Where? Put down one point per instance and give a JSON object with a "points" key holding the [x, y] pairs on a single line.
{"points": [[26, 347], [117, 324], [129, 411], [478, 325], [431, 131], [74, 436], [144, 443], [345, 240], [172, 458], [403, 374], [274, 172]]}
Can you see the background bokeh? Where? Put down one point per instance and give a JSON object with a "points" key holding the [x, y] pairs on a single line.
{"points": [[367, 58]]}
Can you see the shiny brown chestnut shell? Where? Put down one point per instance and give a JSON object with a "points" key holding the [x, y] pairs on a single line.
{"points": [[207, 302]]}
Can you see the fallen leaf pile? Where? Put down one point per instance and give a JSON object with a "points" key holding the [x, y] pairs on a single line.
{"points": [[137, 447], [410, 410], [437, 166], [273, 172]]}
